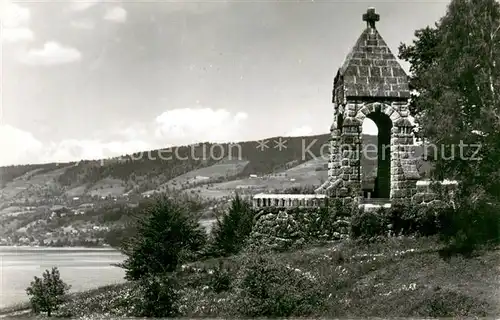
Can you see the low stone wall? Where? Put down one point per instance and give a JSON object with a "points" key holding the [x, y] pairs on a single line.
{"points": [[284, 228], [427, 195], [263, 200]]}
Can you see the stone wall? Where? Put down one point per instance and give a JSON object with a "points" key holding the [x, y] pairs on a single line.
{"points": [[426, 194], [281, 229]]}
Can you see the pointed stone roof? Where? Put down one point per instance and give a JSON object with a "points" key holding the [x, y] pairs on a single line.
{"points": [[371, 70]]}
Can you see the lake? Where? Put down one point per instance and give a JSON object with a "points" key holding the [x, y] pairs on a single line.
{"points": [[82, 268]]}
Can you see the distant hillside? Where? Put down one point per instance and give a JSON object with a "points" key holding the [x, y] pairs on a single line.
{"points": [[181, 167], [90, 202]]}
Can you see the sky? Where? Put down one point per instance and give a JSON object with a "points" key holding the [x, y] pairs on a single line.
{"points": [[90, 80]]}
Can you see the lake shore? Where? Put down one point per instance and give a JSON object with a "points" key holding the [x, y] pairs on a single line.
{"points": [[82, 268]]}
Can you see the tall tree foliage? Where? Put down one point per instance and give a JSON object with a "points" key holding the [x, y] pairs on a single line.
{"points": [[166, 235], [230, 232], [455, 68]]}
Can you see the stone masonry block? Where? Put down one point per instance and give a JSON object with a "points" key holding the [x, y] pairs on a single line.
{"points": [[366, 62], [377, 106], [418, 198], [403, 107], [362, 80], [365, 110], [390, 80], [363, 71], [375, 72], [402, 193], [343, 192], [399, 177], [387, 72], [351, 113], [395, 116], [396, 170], [430, 197]]}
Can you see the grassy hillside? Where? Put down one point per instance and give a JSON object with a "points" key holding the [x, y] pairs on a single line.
{"points": [[398, 278]]}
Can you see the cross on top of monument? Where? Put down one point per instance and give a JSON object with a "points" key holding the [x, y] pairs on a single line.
{"points": [[371, 17]]}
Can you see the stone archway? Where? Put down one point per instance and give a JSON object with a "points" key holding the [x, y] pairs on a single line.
{"points": [[384, 116], [382, 160]]}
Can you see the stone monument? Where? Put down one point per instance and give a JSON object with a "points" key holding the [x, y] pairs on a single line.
{"points": [[371, 84]]}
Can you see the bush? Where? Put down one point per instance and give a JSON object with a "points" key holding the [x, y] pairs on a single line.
{"points": [[230, 233], [157, 296], [369, 224], [166, 236], [469, 227], [47, 293], [407, 220], [414, 219], [221, 279], [269, 288]]}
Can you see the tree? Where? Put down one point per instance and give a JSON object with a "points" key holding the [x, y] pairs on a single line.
{"points": [[47, 293], [166, 235], [455, 68], [230, 232]]}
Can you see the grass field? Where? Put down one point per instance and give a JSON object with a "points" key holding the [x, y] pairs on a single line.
{"points": [[402, 277]]}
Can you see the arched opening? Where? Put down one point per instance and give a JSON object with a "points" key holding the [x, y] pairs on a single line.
{"points": [[376, 157]]}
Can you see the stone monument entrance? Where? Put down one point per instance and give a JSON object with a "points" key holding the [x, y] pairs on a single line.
{"points": [[371, 84]]}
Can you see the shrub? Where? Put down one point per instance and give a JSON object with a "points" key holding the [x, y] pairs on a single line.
{"points": [[470, 226], [166, 236], [401, 219], [419, 220], [47, 293], [155, 296], [267, 287], [230, 232], [367, 224], [221, 279]]}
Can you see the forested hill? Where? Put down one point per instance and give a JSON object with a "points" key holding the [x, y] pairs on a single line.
{"points": [[180, 167]]}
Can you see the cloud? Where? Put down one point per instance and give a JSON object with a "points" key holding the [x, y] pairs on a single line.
{"points": [[21, 147], [15, 20], [74, 150], [116, 14], [52, 53], [301, 131], [191, 125], [15, 16], [17, 146], [17, 34], [171, 128]]}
